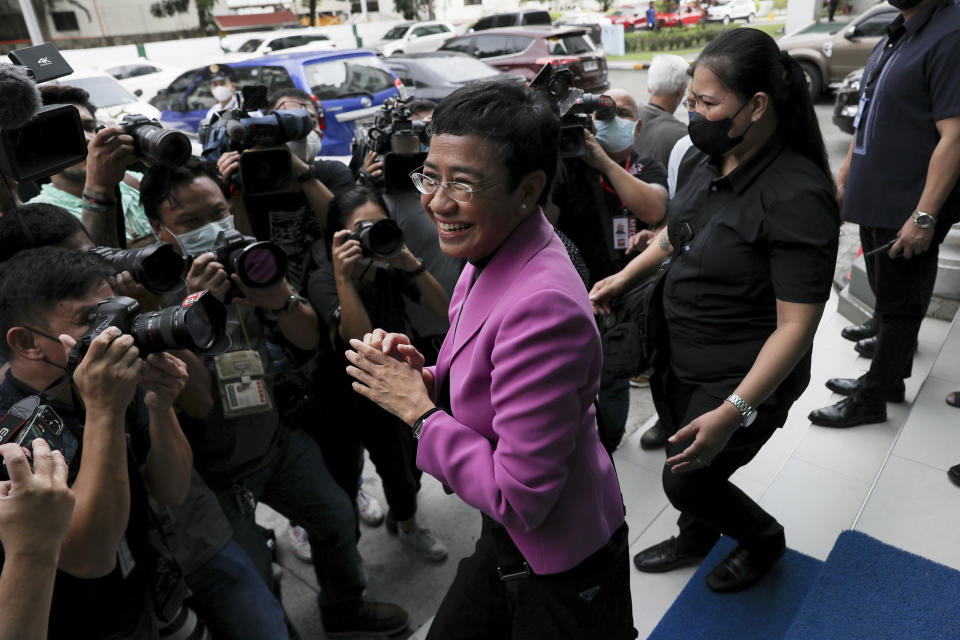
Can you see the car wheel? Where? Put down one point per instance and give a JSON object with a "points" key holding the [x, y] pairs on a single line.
{"points": [[814, 79], [726, 19], [749, 18]]}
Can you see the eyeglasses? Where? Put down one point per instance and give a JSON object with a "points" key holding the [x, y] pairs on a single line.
{"points": [[458, 191]]}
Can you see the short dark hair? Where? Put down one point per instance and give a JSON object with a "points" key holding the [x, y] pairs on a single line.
{"points": [[65, 94], [34, 281], [160, 181], [517, 120], [36, 225], [289, 92], [419, 106], [343, 206]]}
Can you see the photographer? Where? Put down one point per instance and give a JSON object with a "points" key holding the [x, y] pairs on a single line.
{"points": [[243, 450], [106, 567], [35, 510], [40, 224], [88, 189], [359, 291]]}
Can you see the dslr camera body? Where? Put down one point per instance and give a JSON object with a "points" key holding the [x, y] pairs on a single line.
{"points": [[154, 143], [259, 263], [380, 239], [574, 107], [397, 140], [262, 171]]}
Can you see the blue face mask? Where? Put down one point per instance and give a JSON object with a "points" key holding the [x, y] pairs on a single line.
{"points": [[615, 134], [690, 115], [201, 240]]}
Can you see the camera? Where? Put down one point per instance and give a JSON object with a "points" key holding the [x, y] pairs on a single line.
{"points": [[52, 138], [198, 324], [262, 171], [382, 239], [259, 263], [153, 142], [28, 420], [573, 105], [158, 267], [397, 140]]}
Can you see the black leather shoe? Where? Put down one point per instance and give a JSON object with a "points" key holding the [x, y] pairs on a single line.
{"points": [[848, 386], [666, 556], [867, 347], [954, 474], [654, 437], [857, 332], [742, 569], [849, 413]]}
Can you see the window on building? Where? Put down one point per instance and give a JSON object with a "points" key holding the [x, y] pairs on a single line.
{"points": [[65, 20]]}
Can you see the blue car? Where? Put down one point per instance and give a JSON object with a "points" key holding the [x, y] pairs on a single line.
{"points": [[349, 85]]}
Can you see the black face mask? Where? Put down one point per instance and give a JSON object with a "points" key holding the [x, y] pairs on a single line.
{"points": [[712, 136], [904, 5]]}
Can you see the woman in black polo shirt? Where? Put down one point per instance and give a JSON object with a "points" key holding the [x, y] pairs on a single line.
{"points": [[753, 233]]}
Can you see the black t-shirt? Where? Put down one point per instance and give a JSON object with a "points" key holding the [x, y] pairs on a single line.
{"points": [[909, 84], [591, 211], [767, 231], [334, 175], [102, 607]]}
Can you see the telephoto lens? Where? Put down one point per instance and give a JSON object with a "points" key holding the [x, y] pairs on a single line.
{"points": [[259, 264], [383, 238], [158, 267], [150, 140]]}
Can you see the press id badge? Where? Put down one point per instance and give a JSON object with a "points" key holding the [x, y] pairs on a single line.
{"points": [[243, 389], [860, 109], [621, 233]]}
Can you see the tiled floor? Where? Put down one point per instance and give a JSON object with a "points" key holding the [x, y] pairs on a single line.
{"points": [[887, 480]]}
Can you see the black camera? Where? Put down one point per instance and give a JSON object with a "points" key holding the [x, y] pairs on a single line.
{"points": [[52, 138], [198, 324], [259, 263], [28, 420], [383, 238], [151, 141], [262, 171], [158, 267], [397, 140], [573, 107]]}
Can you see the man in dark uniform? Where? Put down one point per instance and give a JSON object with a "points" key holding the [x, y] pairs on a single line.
{"points": [[900, 183]]}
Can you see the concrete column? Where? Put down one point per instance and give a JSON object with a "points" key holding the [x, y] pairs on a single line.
{"points": [[33, 27], [800, 13]]}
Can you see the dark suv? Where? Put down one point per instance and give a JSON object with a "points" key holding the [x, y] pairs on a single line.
{"points": [[524, 51], [514, 19]]}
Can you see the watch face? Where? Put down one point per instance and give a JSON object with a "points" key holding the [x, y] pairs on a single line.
{"points": [[923, 220]]}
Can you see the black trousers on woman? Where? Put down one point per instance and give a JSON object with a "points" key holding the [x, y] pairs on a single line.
{"points": [[709, 504]]}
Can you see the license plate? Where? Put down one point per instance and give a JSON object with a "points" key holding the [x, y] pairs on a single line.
{"points": [[590, 65]]}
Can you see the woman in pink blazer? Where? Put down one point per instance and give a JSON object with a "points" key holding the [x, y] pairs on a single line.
{"points": [[506, 418]]}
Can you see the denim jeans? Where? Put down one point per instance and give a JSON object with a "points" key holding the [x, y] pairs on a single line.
{"points": [[294, 481], [231, 597]]}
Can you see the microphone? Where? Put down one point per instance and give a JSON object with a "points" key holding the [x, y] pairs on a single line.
{"points": [[21, 98]]}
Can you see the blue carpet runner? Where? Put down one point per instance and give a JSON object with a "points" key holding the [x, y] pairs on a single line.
{"points": [[870, 590], [764, 612]]}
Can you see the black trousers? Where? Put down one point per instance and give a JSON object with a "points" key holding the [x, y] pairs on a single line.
{"points": [[903, 289], [589, 601], [709, 504]]}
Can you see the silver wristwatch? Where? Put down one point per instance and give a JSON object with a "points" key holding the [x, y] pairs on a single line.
{"points": [[923, 220], [291, 305], [749, 413]]}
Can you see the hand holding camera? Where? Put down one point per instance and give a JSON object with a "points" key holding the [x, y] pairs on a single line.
{"points": [[207, 274], [163, 377], [107, 375], [347, 254], [35, 505], [109, 154]]}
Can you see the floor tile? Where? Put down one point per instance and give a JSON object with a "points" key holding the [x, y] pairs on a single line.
{"points": [[931, 434], [916, 508], [858, 452], [643, 495]]}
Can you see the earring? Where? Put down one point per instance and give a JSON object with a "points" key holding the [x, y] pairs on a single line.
{"points": [[523, 205]]}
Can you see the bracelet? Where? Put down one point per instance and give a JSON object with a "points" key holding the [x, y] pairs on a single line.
{"points": [[416, 272], [94, 200], [418, 425], [97, 208]]}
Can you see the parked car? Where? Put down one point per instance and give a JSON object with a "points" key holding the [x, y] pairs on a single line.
{"points": [[350, 85], [261, 43], [110, 98], [726, 11], [526, 18], [681, 17], [143, 78], [632, 18], [435, 75], [827, 57], [413, 37], [591, 21], [524, 50], [847, 101]]}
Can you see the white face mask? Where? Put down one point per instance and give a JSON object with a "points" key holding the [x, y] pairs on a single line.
{"points": [[615, 134], [306, 148], [222, 93], [200, 241]]}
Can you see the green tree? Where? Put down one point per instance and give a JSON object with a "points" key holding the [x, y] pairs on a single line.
{"points": [[172, 7]]}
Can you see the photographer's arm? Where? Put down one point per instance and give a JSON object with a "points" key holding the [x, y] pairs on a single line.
{"points": [[317, 194], [108, 156], [195, 400], [643, 266], [167, 469], [647, 201], [432, 294]]}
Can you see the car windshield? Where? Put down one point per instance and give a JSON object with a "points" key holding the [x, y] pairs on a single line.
{"points": [[397, 32], [104, 92], [249, 46], [348, 77], [567, 45], [463, 68]]}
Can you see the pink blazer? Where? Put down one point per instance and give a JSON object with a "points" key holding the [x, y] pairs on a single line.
{"points": [[523, 362]]}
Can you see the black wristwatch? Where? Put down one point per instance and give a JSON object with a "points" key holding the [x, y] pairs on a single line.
{"points": [[416, 272], [291, 305], [418, 425]]}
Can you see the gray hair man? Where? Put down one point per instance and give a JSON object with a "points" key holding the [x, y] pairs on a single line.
{"points": [[667, 83]]}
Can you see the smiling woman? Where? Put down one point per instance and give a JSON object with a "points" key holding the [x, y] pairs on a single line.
{"points": [[506, 418]]}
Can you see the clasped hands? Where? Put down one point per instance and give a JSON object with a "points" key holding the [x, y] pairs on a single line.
{"points": [[388, 371]]}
